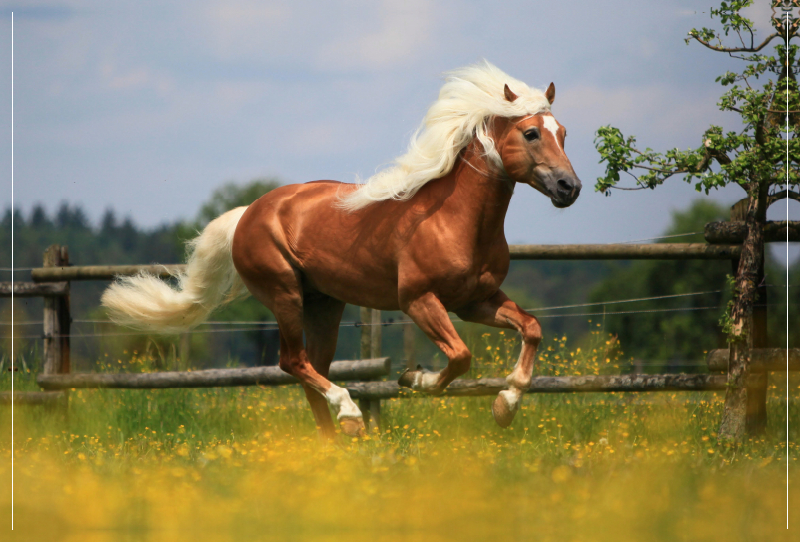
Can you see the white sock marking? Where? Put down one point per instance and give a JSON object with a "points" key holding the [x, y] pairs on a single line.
{"points": [[340, 398], [429, 380], [511, 397]]}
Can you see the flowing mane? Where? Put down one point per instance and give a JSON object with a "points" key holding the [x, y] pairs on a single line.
{"points": [[468, 99]]}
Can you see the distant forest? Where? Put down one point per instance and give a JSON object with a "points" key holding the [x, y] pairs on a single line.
{"points": [[673, 338]]}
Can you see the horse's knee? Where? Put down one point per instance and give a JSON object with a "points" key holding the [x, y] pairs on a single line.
{"points": [[286, 364], [294, 365], [532, 332]]}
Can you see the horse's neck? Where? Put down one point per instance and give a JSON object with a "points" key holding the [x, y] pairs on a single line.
{"points": [[482, 192]]}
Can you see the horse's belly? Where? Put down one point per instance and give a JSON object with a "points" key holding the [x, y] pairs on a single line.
{"points": [[351, 282]]}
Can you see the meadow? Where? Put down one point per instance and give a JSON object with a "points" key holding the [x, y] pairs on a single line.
{"points": [[245, 464]]}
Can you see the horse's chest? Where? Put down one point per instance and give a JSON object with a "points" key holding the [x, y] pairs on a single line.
{"points": [[469, 286], [456, 276]]}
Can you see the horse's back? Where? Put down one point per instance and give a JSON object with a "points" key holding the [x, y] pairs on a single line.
{"points": [[300, 228]]}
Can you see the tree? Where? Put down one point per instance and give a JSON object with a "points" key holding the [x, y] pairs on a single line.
{"points": [[231, 195], [756, 159], [691, 328], [227, 197]]}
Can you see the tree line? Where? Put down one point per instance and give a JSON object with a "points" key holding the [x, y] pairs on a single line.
{"points": [[662, 339]]}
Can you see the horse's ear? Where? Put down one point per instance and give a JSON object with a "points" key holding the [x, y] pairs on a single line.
{"points": [[550, 93], [510, 96]]}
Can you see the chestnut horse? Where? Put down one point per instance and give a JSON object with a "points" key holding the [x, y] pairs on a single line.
{"points": [[425, 236]]}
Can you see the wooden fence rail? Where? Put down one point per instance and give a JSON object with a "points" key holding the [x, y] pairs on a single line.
{"points": [[657, 251], [32, 289], [761, 360], [560, 384], [733, 231], [365, 369], [101, 272]]}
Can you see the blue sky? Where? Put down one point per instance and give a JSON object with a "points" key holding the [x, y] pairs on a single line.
{"points": [[146, 107]]}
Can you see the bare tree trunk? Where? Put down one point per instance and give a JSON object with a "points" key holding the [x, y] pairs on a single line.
{"points": [[733, 425]]}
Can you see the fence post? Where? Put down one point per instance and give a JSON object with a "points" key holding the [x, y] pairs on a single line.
{"points": [[409, 346], [756, 418], [371, 348], [56, 319], [375, 334], [183, 350], [366, 349]]}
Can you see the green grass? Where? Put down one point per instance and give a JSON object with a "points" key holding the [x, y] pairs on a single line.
{"points": [[245, 463]]}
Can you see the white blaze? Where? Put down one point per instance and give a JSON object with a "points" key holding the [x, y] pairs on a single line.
{"points": [[550, 123]]}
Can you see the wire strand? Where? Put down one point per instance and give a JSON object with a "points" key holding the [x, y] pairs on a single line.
{"points": [[579, 305], [657, 238], [273, 325]]}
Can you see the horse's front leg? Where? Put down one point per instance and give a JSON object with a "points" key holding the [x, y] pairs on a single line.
{"points": [[432, 318], [500, 311]]}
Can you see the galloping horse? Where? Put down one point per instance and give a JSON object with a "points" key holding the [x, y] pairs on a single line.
{"points": [[424, 236]]}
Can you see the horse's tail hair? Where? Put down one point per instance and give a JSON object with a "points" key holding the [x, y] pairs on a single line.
{"points": [[148, 303]]}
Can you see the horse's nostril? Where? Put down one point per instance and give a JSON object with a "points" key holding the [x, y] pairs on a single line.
{"points": [[564, 185]]}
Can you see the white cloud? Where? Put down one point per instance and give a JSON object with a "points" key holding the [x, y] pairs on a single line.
{"points": [[669, 110], [123, 78], [241, 28], [213, 89], [328, 36], [401, 34]]}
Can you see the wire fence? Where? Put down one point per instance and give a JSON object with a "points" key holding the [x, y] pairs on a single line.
{"points": [[657, 238], [267, 326], [261, 325], [358, 324], [251, 325]]}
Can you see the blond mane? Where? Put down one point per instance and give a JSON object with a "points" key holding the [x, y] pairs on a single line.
{"points": [[468, 99]]}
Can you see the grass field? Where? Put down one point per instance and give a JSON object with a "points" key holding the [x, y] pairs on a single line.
{"points": [[245, 464]]}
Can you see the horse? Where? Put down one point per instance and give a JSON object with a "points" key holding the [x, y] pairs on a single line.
{"points": [[424, 236]]}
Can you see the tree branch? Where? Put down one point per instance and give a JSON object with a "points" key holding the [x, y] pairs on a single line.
{"points": [[735, 49], [660, 170], [623, 188], [783, 194], [711, 152]]}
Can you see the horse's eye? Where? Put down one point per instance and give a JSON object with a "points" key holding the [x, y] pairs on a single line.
{"points": [[531, 134]]}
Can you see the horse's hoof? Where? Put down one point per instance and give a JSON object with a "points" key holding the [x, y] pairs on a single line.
{"points": [[353, 427], [503, 412]]}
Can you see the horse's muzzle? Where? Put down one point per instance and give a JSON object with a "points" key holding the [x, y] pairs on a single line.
{"points": [[567, 191]]}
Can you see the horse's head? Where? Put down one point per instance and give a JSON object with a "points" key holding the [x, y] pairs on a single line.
{"points": [[532, 151]]}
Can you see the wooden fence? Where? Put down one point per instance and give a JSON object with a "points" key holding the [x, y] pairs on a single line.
{"points": [[52, 282]]}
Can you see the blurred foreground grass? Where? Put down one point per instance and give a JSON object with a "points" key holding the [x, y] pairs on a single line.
{"points": [[245, 464]]}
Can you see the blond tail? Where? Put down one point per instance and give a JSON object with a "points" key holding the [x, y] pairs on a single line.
{"points": [[148, 303]]}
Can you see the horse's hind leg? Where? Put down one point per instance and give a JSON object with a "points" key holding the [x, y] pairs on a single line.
{"points": [[499, 311], [281, 292], [321, 317]]}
